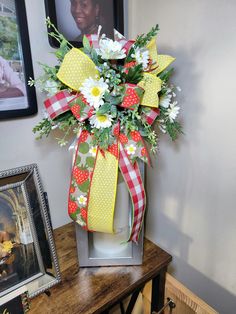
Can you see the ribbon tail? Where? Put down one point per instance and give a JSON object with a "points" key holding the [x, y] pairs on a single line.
{"points": [[134, 182], [102, 196], [82, 170]]}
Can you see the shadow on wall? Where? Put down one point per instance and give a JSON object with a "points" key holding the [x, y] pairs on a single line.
{"points": [[171, 184], [175, 242], [178, 243], [204, 287]]}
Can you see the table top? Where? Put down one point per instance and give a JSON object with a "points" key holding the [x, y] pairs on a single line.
{"points": [[91, 290]]}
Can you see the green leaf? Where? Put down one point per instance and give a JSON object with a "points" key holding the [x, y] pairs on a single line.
{"points": [[134, 74], [142, 40], [44, 127], [85, 186], [174, 129], [90, 161], [129, 58], [104, 109], [113, 111], [64, 116], [84, 148], [165, 75], [78, 159], [139, 92], [116, 100], [94, 56], [73, 216], [86, 43]]}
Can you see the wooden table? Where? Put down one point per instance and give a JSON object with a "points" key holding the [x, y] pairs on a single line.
{"points": [[97, 289]]}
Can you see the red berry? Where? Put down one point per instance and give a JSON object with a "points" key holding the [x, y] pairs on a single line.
{"points": [[131, 98], [72, 189], [83, 212], [84, 100], [116, 130], [90, 113], [80, 175], [123, 138], [72, 207], [113, 149], [144, 152], [76, 110], [129, 65], [135, 136], [84, 135]]}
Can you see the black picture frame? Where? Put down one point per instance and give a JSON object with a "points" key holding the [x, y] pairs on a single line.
{"points": [[51, 12], [14, 107]]}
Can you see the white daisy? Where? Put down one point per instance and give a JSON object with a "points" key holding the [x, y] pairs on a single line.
{"points": [[142, 57], [165, 100], [131, 149], [82, 200], [93, 151], [93, 91], [173, 111], [101, 121], [110, 50]]}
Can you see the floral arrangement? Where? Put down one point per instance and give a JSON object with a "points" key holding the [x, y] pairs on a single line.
{"points": [[111, 93]]}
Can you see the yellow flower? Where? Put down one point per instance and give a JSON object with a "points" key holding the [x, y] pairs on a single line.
{"points": [[7, 246]]}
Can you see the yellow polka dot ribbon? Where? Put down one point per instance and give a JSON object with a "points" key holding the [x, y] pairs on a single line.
{"points": [[102, 196], [76, 68], [151, 83]]}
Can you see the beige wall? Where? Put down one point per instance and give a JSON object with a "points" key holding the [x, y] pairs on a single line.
{"points": [[191, 189], [17, 142]]}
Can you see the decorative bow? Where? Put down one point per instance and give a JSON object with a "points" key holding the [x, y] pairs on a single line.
{"points": [[94, 176]]}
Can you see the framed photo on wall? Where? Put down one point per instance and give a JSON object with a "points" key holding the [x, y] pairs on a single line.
{"points": [[74, 18], [17, 99]]}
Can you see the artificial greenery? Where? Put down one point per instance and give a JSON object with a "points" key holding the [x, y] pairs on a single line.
{"points": [[116, 75]]}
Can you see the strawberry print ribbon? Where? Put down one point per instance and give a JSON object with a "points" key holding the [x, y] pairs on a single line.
{"points": [[82, 180], [81, 175], [128, 148]]}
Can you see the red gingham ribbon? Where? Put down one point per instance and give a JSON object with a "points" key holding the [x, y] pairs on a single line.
{"points": [[58, 103], [93, 40], [134, 182], [126, 44], [150, 116]]}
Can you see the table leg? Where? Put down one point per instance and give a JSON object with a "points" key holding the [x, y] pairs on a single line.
{"points": [[158, 291]]}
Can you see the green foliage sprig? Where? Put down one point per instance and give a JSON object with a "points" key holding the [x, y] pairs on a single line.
{"points": [[143, 39]]}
